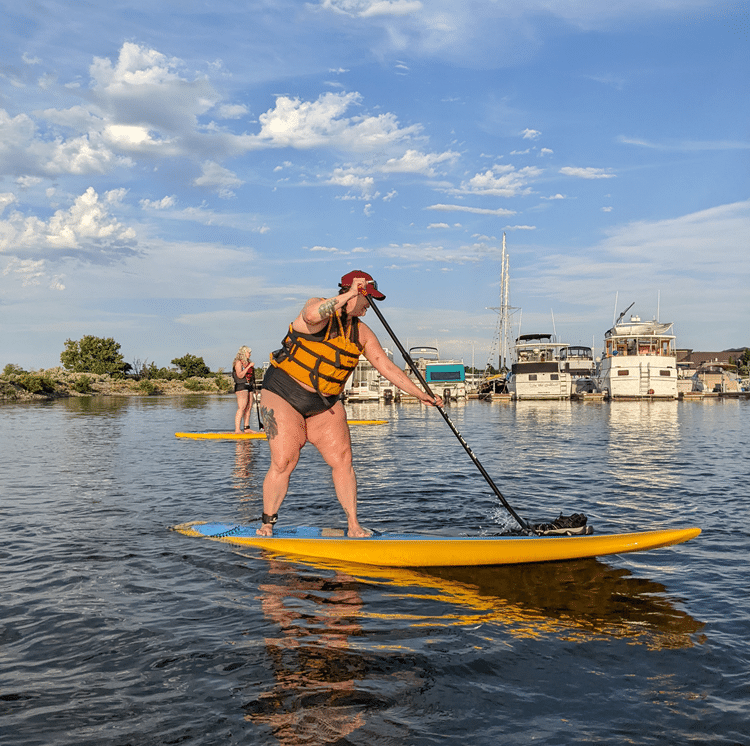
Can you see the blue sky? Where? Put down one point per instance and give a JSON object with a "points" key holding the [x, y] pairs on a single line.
{"points": [[183, 176]]}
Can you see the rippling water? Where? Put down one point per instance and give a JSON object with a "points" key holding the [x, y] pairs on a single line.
{"points": [[115, 630]]}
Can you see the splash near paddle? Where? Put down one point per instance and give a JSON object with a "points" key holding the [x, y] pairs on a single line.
{"points": [[420, 550]]}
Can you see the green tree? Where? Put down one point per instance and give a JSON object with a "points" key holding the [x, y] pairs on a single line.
{"points": [[94, 355], [152, 371], [190, 366]]}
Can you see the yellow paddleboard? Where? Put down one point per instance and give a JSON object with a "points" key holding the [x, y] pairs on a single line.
{"points": [[253, 435], [418, 550]]}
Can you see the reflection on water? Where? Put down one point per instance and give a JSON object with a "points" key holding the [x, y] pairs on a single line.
{"points": [[331, 664], [574, 600], [315, 696], [189, 641], [245, 478], [644, 441]]}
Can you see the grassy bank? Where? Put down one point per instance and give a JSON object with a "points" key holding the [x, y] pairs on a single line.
{"points": [[55, 383]]}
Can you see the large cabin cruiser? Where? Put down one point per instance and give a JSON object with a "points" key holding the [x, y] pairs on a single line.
{"points": [[537, 372], [639, 360]]}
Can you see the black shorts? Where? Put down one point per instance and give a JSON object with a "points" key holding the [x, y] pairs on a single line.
{"points": [[307, 403], [243, 386]]}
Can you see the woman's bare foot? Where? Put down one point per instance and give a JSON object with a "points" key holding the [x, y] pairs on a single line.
{"points": [[357, 532], [265, 530]]}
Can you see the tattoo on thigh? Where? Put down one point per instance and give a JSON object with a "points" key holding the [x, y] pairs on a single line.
{"points": [[269, 422], [327, 308]]}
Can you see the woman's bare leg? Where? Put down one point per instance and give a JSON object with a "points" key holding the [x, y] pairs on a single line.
{"points": [[285, 429], [329, 433], [242, 398]]}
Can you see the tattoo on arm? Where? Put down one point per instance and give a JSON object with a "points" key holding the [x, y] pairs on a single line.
{"points": [[269, 422], [326, 309]]}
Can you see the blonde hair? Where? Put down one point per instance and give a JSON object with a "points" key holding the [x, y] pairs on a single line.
{"points": [[243, 353]]}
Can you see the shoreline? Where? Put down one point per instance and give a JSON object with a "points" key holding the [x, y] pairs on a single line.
{"points": [[57, 383]]}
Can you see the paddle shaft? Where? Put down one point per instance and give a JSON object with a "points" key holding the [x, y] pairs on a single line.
{"points": [[521, 522], [257, 404]]}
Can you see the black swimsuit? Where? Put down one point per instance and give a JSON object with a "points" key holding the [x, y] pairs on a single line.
{"points": [[241, 384], [307, 403]]}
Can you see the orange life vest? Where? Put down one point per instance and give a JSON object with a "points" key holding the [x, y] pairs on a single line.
{"points": [[321, 361]]}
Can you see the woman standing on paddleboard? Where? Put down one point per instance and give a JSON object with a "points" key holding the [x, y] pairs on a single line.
{"points": [[243, 374], [300, 397]]}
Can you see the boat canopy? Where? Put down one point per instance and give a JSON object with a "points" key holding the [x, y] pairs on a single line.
{"points": [[531, 337], [424, 352]]}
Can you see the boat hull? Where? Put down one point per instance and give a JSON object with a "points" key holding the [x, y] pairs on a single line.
{"points": [[638, 377]]}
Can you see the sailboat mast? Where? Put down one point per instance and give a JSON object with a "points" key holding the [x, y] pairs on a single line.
{"points": [[504, 308]]}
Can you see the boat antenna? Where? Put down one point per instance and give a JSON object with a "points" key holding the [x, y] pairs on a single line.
{"points": [[554, 330], [619, 318], [614, 310]]}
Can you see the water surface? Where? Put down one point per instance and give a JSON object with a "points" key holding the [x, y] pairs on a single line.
{"points": [[116, 630]]}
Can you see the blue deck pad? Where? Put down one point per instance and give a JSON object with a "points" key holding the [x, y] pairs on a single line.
{"points": [[220, 530]]}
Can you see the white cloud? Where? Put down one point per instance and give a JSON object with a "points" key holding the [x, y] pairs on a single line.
{"points": [[436, 253], [6, 198], [293, 123], [353, 179], [501, 181], [28, 271], [141, 105], [373, 8], [163, 204], [700, 239], [412, 161], [85, 231], [475, 210], [587, 173], [233, 111], [219, 179], [531, 134], [26, 182], [686, 145]]}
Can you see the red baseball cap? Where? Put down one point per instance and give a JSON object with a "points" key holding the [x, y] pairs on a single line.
{"points": [[372, 287]]}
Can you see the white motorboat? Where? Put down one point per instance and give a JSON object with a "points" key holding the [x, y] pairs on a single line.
{"points": [[639, 360], [537, 372]]}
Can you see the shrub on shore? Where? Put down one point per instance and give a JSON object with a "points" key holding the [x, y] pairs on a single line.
{"points": [[17, 384]]}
